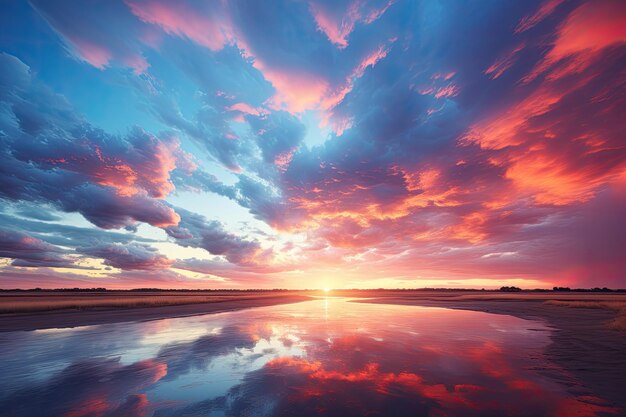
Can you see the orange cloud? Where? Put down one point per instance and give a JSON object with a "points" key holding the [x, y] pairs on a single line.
{"points": [[550, 179], [590, 28]]}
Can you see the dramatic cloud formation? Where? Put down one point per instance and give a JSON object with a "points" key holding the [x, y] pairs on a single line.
{"points": [[53, 155], [132, 256], [196, 231], [297, 144], [29, 251]]}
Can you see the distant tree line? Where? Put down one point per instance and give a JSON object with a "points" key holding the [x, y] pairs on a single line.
{"points": [[144, 290], [501, 289], [510, 289]]}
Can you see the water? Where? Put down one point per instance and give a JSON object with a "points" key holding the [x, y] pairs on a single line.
{"points": [[328, 357]]}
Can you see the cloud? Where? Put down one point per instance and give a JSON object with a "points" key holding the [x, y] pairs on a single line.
{"points": [[19, 277], [208, 26], [337, 19], [44, 213], [589, 29], [211, 125], [528, 22], [505, 62], [53, 156], [87, 34], [129, 256], [28, 251], [371, 136], [279, 134], [67, 235], [195, 231]]}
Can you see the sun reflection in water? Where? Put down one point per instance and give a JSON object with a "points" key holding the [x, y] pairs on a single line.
{"points": [[358, 359]]}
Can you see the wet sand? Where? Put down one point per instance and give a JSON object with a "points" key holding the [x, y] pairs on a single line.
{"points": [[591, 357], [92, 316]]}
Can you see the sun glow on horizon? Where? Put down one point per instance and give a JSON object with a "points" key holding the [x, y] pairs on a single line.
{"points": [[317, 152]]}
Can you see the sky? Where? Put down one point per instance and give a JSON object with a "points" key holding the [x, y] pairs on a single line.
{"points": [[312, 144]]}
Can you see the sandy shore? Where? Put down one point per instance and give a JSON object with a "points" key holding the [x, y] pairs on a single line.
{"points": [[592, 355], [92, 316]]}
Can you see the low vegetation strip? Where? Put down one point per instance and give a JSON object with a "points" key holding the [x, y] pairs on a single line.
{"points": [[16, 305], [618, 323]]}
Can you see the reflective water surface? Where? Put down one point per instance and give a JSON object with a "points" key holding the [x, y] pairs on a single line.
{"points": [[326, 357]]}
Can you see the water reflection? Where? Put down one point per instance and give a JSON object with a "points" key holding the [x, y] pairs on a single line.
{"points": [[326, 357]]}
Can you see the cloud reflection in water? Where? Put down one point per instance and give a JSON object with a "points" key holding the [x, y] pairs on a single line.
{"points": [[324, 357]]}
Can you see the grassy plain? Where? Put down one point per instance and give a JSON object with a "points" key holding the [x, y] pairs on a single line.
{"points": [[31, 302]]}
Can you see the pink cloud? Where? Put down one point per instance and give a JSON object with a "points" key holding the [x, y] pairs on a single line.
{"points": [[96, 55], [337, 30], [208, 28], [438, 88], [512, 179], [339, 123], [295, 91], [369, 61], [138, 63], [529, 142], [244, 108], [504, 62], [375, 13], [282, 160], [449, 90], [544, 11], [128, 176], [532, 134], [335, 97], [90, 40], [338, 25]]}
